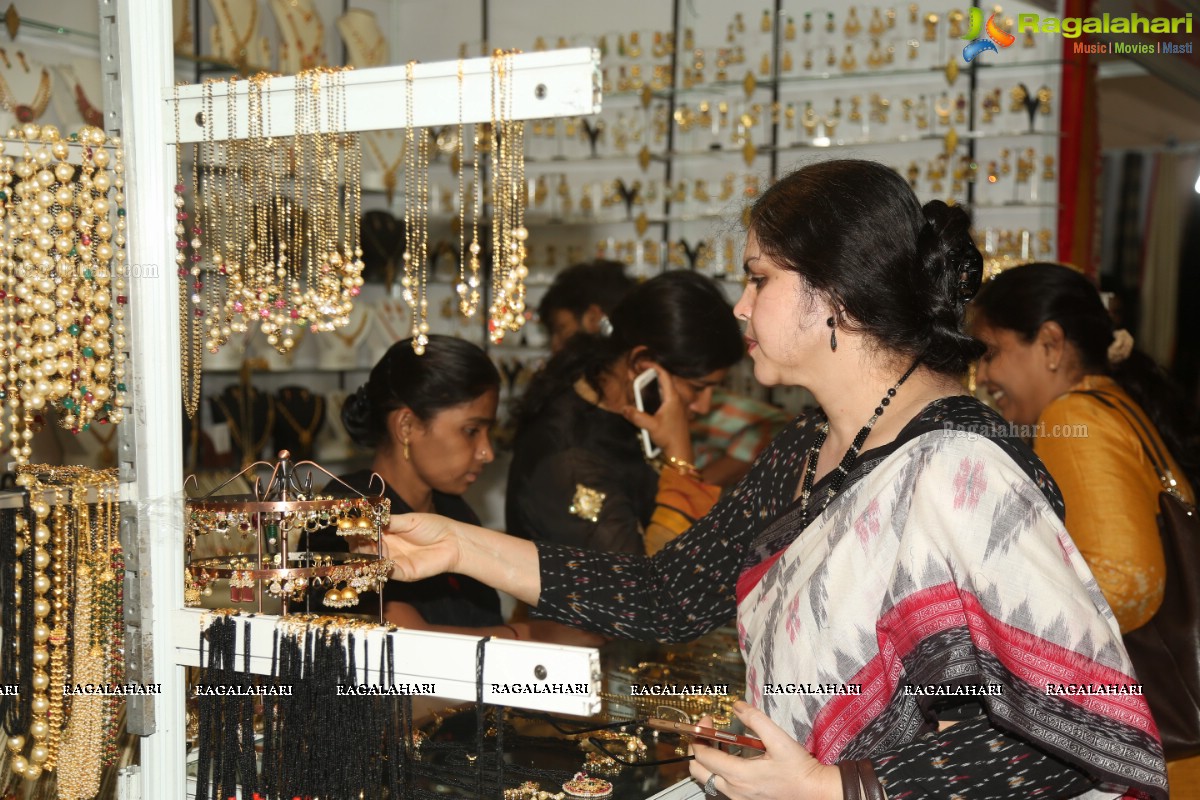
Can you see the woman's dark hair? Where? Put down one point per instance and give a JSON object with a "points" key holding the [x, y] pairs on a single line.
{"points": [[578, 287], [681, 318], [857, 234], [1024, 298], [449, 373]]}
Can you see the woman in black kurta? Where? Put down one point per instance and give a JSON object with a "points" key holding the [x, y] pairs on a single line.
{"points": [[427, 417], [579, 476]]}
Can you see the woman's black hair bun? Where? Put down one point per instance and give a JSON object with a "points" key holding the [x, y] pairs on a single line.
{"points": [[356, 417], [949, 255]]}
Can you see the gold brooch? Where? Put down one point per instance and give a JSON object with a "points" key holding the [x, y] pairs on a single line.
{"points": [[587, 503]]}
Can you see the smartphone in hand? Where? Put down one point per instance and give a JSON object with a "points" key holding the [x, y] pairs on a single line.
{"points": [[708, 734], [647, 396]]}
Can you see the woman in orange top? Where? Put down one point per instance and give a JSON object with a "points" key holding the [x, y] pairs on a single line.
{"points": [[1050, 342]]}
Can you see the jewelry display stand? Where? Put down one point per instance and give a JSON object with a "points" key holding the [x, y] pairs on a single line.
{"points": [[302, 35], [365, 42], [281, 504]]}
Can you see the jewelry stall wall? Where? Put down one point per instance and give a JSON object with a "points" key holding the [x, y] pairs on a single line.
{"points": [[707, 102]]}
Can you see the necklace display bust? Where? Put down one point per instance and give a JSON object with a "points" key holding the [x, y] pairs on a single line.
{"points": [[301, 35], [235, 36], [366, 46]]}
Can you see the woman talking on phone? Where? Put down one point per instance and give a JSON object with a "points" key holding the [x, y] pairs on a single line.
{"points": [[899, 540], [580, 474]]}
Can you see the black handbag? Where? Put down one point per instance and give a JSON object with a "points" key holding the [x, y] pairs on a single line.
{"points": [[1166, 650]]}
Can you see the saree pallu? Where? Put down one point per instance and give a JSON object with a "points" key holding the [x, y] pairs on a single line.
{"points": [[945, 570]]}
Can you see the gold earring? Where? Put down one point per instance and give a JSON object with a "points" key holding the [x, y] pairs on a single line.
{"points": [[407, 451]]}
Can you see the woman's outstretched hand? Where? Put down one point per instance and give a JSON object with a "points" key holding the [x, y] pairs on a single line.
{"points": [[785, 771], [421, 545]]}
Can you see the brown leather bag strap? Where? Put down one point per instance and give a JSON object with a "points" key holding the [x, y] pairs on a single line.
{"points": [[872, 788], [1144, 437], [850, 785]]}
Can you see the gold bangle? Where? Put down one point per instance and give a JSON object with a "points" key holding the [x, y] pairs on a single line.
{"points": [[683, 467]]}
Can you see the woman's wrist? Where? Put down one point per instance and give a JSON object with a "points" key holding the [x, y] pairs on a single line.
{"points": [[501, 561]]}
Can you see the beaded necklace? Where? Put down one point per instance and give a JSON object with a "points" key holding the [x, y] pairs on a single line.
{"points": [[844, 466]]}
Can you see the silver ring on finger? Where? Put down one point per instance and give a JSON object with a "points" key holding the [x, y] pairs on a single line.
{"points": [[710, 785]]}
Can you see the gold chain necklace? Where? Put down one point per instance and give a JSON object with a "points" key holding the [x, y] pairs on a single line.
{"points": [[389, 168], [241, 53], [190, 343], [308, 58], [35, 108], [416, 221], [305, 432], [509, 236]]}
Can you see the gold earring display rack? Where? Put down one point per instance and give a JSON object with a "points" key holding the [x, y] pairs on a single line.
{"points": [[281, 507]]}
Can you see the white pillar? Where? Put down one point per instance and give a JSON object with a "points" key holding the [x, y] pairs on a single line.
{"points": [[147, 71]]}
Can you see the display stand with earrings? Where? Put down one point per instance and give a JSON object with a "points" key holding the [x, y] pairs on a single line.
{"points": [[283, 504], [366, 46], [235, 38], [301, 35]]}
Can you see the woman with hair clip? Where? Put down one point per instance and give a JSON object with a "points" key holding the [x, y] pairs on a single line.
{"points": [[1055, 363], [579, 475], [898, 548]]}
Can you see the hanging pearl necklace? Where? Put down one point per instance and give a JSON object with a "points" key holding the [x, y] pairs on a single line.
{"points": [[63, 260], [844, 466]]}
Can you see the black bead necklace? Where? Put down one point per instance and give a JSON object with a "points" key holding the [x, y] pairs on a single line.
{"points": [[844, 466]]}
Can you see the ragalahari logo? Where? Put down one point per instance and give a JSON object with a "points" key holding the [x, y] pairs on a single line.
{"points": [[995, 36]]}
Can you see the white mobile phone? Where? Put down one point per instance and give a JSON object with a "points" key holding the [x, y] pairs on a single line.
{"points": [[648, 398]]}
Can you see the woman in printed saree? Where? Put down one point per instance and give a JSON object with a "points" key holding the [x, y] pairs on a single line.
{"points": [[914, 618]]}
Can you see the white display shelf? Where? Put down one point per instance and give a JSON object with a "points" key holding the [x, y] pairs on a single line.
{"points": [[554, 83], [528, 675]]}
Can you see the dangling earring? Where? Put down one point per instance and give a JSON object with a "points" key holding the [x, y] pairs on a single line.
{"points": [[407, 451], [832, 334]]}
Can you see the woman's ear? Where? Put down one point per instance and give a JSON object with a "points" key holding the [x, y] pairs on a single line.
{"points": [[400, 425], [1052, 341], [639, 360]]}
